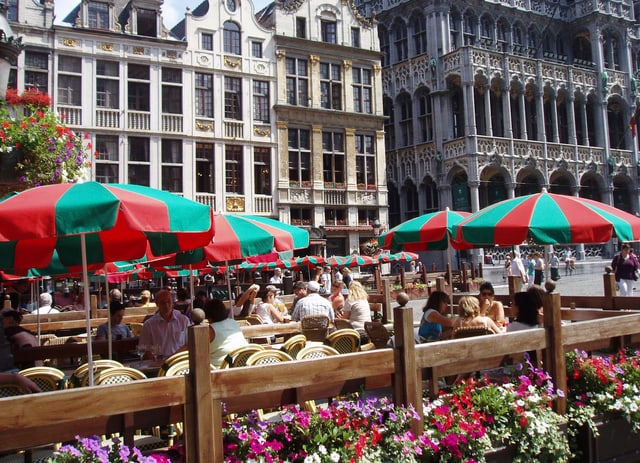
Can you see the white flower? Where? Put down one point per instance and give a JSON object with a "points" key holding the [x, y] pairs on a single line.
{"points": [[335, 457], [322, 449]]}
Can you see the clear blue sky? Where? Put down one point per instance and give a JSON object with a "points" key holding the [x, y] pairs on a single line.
{"points": [[172, 10]]}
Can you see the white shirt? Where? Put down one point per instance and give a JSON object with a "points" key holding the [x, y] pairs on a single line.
{"points": [[275, 279], [169, 335], [45, 309]]}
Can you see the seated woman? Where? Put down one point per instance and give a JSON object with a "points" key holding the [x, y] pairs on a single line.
{"points": [[526, 309], [469, 315], [225, 335], [489, 307], [18, 336], [267, 309], [434, 320], [119, 330], [356, 307], [336, 297]]}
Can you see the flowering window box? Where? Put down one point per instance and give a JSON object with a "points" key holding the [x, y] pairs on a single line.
{"points": [[294, 184], [305, 184], [361, 186], [371, 187]]}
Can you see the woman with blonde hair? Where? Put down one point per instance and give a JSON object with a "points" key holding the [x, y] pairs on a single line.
{"points": [[356, 307], [469, 315]]}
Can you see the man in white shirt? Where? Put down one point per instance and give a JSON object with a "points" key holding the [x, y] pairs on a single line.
{"points": [[312, 304], [517, 267], [164, 333], [276, 279], [44, 306]]}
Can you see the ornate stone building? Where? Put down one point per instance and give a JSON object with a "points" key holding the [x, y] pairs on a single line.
{"points": [[491, 100], [277, 113]]}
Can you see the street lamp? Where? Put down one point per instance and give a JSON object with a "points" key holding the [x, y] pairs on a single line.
{"points": [[376, 227]]}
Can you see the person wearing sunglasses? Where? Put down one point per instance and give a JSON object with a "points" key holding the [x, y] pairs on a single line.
{"points": [[489, 307]]}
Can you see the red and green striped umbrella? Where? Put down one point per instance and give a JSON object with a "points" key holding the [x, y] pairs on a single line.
{"points": [[241, 236], [547, 218], [397, 257], [427, 232], [117, 222]]}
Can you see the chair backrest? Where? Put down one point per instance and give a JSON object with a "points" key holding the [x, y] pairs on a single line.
{"points": [[316, 351], [118, 375], [342, 323], [80, 376], [238, 357], [267, 357], [136, 328], [175, 358], [344, 341], [47, 378], [377, 334], [243, 322], [315, 327], [176, 369], [10, 390], [470, 331], [294, 344], [254, 319]]}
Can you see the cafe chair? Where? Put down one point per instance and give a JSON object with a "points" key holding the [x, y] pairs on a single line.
{"points": [[268, 357], [315, 327], [80, 377], [238, 357], [294, 344], [10, 390], [254, 319], [316, 351], [47, 378], [377, 334], [118, 375], [136, 328], [344, 341], [470, 332], [342, 323], [173, 359]]}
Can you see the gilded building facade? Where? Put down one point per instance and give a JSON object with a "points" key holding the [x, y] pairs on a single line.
{"points": [[488, 100], [207, 109]]}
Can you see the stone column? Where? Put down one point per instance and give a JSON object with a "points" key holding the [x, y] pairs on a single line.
{"points": [[506, 116]]}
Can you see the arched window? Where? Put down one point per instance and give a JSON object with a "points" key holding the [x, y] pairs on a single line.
{"points": [[563, 117], [430, 194], [425, 115], [383, 35], [454, 29], [457, 111], [389, 127], [400, 41], [531, 111], [406, 119], [231, 37], [469, 28], [419, 27]]}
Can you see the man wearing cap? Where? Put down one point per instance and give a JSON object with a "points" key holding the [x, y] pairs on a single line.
{"points": [[312, 304]]}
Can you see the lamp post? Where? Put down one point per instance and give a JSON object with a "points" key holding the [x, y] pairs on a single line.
{"points": [[10, 48]]}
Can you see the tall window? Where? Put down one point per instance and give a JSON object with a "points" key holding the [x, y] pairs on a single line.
{"points": [[261, 105], [301, 27], [406, 119], [419, 26], [138, 90], [262, 171], [204, 95], [330, 86], [425, 116], [69, 80], [206, 41], [205, 178], [256, 49], [98, 14], [355, 37], [385, 48], [400, 41], [146, 22], [297, 82], [299, 155], [172, 165], [333, 160], [12, 10], [328, 30], [365, 160], [335, 216], [300, 216], [233, 170], [107, 159], [362, 90], [172, 90], [139, 161], [107, 84], [231, 38], [233, 98], [36, 74]]}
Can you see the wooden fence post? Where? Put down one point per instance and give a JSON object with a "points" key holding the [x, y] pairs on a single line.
{"points": [[515, 284], [377, 274], [403, 278], [555, 360], [386, 301], [609, 281], [407, 388], [203, 427], [441, 285]]}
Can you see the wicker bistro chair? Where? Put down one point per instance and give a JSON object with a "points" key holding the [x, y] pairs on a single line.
{"points": [[377, 334], [294, 344], [47, 378], [268, 357], [238, 357], [344, 341], [80, 376], [136, 328], [315, 327], [316, 351], [10, 390], [118, 375], [470, 331], [170, 361]]}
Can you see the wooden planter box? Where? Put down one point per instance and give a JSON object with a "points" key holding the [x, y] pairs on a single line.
{"points": [[616, 442], [501, 455]]}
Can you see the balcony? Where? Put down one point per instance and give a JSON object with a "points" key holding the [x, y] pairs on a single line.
{"points": [[234, 129], [172, 123], [262, 204], [207, 198], [335, 198], [109, 118], [72, 116], [138, 120]]}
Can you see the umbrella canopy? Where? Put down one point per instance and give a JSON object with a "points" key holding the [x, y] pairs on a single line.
{"points": [[241, 236], [117, 221], [397, 257], [547, 218], [430, 231]]}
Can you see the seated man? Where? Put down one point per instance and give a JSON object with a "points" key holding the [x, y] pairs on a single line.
{"points": [[119, 330], [312, 304], [165, 331], [45, 305]]}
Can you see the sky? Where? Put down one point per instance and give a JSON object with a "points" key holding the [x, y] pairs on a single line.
{"points": [[172, 10]]}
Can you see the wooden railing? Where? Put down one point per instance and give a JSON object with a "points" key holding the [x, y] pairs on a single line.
{"points": [[198, 398]]}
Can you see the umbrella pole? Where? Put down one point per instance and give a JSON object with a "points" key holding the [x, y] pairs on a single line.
{"points": [[87, 304], [191, 284], [106, 288], [450, 277], [38, 312], [228, 273]]}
